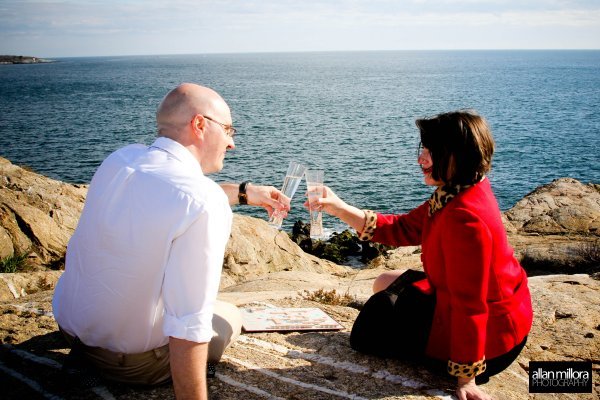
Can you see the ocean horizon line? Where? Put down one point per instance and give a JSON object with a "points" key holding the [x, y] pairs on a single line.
{"points": [[326, 52]]}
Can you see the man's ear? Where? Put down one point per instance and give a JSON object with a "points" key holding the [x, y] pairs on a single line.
{"points": [[198, 125]]}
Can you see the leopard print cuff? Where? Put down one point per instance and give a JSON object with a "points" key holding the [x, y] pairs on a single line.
{"points": [[370, 225], [466, 370]]}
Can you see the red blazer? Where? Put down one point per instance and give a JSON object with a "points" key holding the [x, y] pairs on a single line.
{"points": [[483, 306]]}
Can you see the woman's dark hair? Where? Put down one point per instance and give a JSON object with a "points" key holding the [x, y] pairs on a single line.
{"points": [[460, 144]]}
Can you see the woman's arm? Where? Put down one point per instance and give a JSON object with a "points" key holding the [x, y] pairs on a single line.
{"points": [[393, 230], [333, 205]]}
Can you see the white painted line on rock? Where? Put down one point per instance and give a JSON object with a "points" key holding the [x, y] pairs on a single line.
{"points": [[101, 391], [398, 379], [347, 366], [30, 308], [344, 365], [282, 378], [32, 357], [13, 290], [29, 382], [526, 380], [260, 303], [253, 389], [439, 394]]}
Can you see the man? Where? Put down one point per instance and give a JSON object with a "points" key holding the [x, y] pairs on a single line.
{"points": [[143, 267]]}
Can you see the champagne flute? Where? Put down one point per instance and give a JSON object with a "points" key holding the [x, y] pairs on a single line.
{"points": [[291, 182], [314, 184]]}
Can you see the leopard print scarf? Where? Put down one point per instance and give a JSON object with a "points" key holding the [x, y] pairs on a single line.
{"points": [[443, 195]]}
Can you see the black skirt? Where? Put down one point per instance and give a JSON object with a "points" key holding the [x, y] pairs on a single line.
{"points": [[395, 323]]}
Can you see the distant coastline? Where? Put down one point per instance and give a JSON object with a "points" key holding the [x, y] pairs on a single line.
{"points": [[6, 59]]}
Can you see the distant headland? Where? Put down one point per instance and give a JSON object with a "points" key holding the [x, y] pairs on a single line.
{"points": [[5, 59]]}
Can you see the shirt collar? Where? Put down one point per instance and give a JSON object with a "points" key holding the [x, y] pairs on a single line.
{"points": [[177, 150]]}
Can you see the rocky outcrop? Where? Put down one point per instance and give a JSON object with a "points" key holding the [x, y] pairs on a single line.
{"points": [[556, 228], [565, 206], [19, 285], [309, 365], [4, 59], [255, 249], [37, 214], [264, 266]]}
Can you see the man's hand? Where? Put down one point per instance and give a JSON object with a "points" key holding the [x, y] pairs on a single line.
{"points": [[258, 195], [268, 197], [188, 368]]}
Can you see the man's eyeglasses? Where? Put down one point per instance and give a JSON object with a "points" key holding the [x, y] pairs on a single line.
{"points": [[229, 129]]}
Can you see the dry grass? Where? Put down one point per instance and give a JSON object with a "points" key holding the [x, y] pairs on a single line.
{"points": [[44, 283], [581, 259], [332, 298], [590, 253]]}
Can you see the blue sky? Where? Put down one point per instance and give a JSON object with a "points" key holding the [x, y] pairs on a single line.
{"points": [[55, 28]]}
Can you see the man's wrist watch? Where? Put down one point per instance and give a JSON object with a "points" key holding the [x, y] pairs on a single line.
{"points": [[242, 196]]}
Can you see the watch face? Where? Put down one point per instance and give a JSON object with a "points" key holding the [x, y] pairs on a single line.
{"points": [[242, 196]]}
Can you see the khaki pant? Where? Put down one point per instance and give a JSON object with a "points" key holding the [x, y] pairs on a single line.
{"points": [[152, 367]]}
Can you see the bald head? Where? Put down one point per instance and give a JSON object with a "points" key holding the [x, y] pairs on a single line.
{"points": [[181, 104]]}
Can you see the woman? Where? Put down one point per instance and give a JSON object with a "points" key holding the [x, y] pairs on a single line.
{"points": [[475, 304]]}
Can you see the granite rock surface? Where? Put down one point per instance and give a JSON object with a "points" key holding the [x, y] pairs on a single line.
{"points": [[264, 267]]}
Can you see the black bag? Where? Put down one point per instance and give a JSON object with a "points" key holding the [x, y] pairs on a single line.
{"points": [[395, 322]]}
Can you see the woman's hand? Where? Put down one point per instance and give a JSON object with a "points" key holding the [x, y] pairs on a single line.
{"points": [[333, 205], [467, 389], [329, 203]]}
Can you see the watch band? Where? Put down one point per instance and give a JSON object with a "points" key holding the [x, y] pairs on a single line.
{"points": [[242, 196]]}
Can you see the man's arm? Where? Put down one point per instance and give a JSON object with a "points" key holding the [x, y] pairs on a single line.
{"points": [[264, 196], [188, 368]]}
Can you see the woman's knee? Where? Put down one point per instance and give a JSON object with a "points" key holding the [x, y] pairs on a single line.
{"points": [[227, 325], [386, 279]]}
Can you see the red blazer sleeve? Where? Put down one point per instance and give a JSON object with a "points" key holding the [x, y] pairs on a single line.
{"points": [[467, 252], [401, 230]]}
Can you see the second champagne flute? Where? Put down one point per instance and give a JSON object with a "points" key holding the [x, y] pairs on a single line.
{"points": [[314, 184]]}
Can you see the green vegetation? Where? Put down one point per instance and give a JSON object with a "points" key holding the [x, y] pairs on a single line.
{"points": [[14, 263]]}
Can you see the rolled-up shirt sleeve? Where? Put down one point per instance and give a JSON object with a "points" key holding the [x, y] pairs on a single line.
{"points": [[193, 273]]}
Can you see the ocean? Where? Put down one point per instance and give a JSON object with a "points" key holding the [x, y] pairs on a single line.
{"points": [[349, 113]]}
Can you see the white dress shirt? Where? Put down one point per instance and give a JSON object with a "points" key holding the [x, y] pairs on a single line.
{"points": [[145, 260]]}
